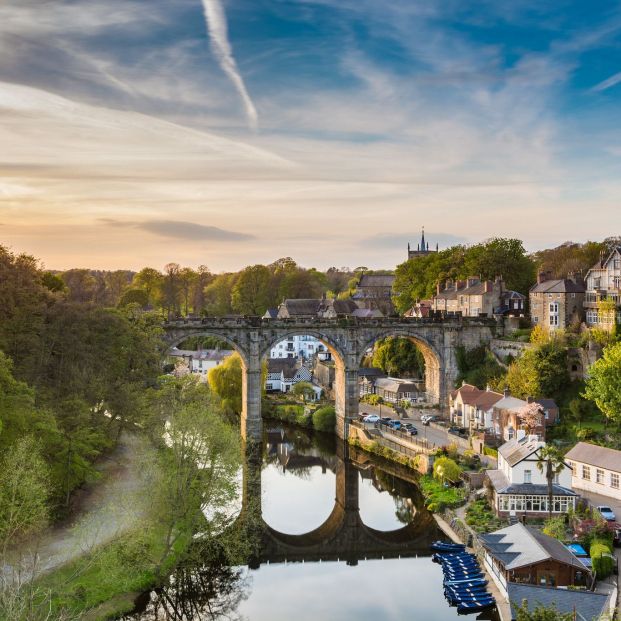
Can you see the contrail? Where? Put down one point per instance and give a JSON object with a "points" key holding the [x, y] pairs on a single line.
{"points": [[218, 34]]}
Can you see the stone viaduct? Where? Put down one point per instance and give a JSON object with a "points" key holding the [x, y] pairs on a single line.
{"points": [[348, 339]]}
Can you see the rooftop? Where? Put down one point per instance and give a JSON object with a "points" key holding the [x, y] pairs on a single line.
{"points": [[520, 546], [557, 285], [598, 456], [514, 451], [502, 485]]}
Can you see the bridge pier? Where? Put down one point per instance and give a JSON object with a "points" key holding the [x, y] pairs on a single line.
{"points": [[252, 385], [345, 396]]}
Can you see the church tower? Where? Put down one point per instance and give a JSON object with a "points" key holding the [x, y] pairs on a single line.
{"points": [[422, 249]]}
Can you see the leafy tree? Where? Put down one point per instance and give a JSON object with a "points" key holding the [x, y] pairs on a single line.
{"points": [[24, 492], [550, 460], [555, 527], [446, 470], [81, 285], [603, 386], [150, 281], [53, 282], [398, 357], [304, 390], [477, 366], [171, 289], [134, 296], [218, 294], [531, 416], [251, 292], [568, 257], [226, 381]]}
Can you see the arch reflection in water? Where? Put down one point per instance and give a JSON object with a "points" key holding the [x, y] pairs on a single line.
{"points": [[208, 589]]}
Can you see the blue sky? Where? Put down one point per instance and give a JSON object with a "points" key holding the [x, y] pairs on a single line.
{"points": [[232, 132]]}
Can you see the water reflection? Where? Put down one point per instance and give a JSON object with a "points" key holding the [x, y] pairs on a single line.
{"points": [[307, 501]]}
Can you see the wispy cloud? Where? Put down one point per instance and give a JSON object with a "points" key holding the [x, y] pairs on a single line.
{"points": [[177, 229], [613, 80], [218, 33]]}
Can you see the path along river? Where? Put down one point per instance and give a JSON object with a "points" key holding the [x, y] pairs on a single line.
{"points": [[342, 536]]}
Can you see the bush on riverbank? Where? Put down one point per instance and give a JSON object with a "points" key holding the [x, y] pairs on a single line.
{"points": [[324, 419], [481, 518], [438, 496], [386, 453]]}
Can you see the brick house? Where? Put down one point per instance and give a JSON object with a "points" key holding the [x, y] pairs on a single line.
{"points": [[556, 303], [471, 407]]}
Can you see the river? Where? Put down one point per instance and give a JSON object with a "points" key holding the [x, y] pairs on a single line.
{"points": [[343, 536]]}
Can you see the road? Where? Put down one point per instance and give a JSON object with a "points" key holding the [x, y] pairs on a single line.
{"points": [[436, 437]]}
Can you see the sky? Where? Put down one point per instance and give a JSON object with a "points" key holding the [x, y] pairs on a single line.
{"points": [[232, 132]]}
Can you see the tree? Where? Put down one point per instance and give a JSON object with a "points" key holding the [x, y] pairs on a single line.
{"points": [[550, 460], [398, 357], [531, 416], [446, 470], [81, 285], [134, 296], [187, 279], [555, 527], [24, 493], [304, 390], [171, 289], [149, 280], [226, 381], [251, 292], [218, 295], [603, 385], [324, 419]]}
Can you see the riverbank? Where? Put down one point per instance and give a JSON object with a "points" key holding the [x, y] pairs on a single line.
{"points": [[94, 566]]}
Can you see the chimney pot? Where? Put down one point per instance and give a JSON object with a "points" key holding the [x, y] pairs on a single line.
{"points": [[529, 399], [506, 392]]}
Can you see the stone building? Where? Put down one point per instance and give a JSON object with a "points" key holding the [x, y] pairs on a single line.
{"points": [[422, 248], [374, 293], [557, 303], [474, 298], [603, 282]]}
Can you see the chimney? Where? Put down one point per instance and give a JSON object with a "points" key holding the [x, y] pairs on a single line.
{"points": [[459, 284], [472, 280], [506, 392], [439, 288], [488, 388], [488, 286], [541, 277], [529, 399], [448, 284]]}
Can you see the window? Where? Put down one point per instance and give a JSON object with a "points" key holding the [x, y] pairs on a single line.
{"points": [[614, 480], [586, 473], [527, 476], [536, 319], [554, 320], [599, 476]]}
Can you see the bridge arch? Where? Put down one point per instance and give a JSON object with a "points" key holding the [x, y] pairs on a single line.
{"points": [[434, 360], [177, 339]]}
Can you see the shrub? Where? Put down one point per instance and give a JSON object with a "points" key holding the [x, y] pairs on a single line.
{"points": [[555, 527], [324, 419], [601, 555], [490, 452], [445, 469]]}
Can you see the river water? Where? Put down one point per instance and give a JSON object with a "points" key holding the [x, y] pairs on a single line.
{"points": [[343, 536]]}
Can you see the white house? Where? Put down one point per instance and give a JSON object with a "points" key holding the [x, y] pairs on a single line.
{"points": [[284, 373], [298, 346], [520, 488], [595, 469], [200, 361], [603, 282]]}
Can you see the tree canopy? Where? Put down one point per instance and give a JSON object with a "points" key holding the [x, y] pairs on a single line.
{"points": [[603, 385]]}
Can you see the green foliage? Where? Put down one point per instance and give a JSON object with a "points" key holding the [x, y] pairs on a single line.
{"points": [[541, 613], [398, 357], [569, 257], [556, 527], [438, 496], [304, 390], [446, 470], [602, 558], [416, 279], [226, 381], [603, 385], [490, 452], [481, 518], [324, 419], [477, 366]]}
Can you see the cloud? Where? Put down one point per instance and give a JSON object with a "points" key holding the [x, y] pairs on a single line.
{"points": [[176, 229], [217, 28], [613, 80]]}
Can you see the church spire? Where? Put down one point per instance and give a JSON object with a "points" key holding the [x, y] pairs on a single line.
{"points": [[422, 243]]}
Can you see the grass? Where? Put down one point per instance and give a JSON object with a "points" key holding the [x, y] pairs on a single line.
{"points": [[104, 583]]}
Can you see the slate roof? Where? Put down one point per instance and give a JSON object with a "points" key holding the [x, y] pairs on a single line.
{"points": [[341, 307], [549, 404], [286, 365], [370, 372], [520, 546], [271, 313], [514, 451], [487, 399], [502, 486], [477, 288], [367, 313], [302, 306], [588, 605], [510, 403], [557, 285], [377, 280], [393, 384], [203, 354], [598, 456]]}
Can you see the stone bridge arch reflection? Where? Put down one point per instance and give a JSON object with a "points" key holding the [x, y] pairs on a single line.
{"points": [[343, 535]]}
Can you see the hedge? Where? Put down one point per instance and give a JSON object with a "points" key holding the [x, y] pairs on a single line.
{"points": [[601, 555]]}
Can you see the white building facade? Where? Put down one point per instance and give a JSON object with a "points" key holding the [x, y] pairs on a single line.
{"points": [[298, 346], [595, 469]]}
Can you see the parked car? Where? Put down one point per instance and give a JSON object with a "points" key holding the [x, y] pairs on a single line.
{"points": [[413, 431], [406, 425], [363, 415], [371, 418], [385, 420], [616, 540], [462, 432], [428, 418], [395, 424], [607, 513]]}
